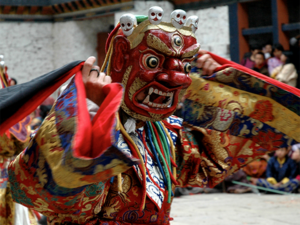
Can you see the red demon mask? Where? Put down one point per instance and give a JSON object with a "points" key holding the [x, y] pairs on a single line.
{"points": [[153, 64]]}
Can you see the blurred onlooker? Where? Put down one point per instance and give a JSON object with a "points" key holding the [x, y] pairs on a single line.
{"points": [[275, 60], [296, 157], [267, 50], [248, 60], [260, 64], [285, 73], [281, 173], [295, 48], [256, 168], [13, 82]]}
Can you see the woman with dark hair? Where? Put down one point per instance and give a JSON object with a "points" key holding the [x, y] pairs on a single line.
{"points": [[275, 60], [287, 72], [248, 60]]}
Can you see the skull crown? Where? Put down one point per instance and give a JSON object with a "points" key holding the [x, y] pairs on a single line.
{"points": [[128, 22]]}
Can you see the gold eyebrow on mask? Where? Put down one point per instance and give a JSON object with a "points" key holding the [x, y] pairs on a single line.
{"points": [[156, 43], [191, 51]]}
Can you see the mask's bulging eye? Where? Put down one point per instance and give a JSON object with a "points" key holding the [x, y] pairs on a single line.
{"points": [[177, 41], [187, 68], [152, 62]]}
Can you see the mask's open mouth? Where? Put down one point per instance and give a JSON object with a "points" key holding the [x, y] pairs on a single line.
{"points": [[156, 96], [158, 99]]}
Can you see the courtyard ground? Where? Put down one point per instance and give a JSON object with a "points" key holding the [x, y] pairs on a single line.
{"points": [[236, 209]]}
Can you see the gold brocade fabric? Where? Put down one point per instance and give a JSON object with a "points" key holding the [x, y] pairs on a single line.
{"points": [[9, 148], [7, 206], [260, 108]]}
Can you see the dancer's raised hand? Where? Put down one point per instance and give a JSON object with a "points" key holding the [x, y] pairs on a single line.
{"points": [[206, 63], [94, 81]]}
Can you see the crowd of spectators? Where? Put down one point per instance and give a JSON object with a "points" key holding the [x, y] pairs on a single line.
{"points": [[275, 62]]}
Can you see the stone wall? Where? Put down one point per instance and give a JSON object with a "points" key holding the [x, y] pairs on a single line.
{"points": [[27, 49], [77, 40], [213, 30], [32, 49]]}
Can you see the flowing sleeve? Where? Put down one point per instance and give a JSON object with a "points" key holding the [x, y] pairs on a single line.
{"points": [[232, 117], [69, 159]]}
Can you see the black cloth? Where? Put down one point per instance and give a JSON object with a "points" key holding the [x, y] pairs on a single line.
{"points": [[13, 98]]}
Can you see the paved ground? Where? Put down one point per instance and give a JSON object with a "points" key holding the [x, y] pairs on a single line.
{"points": [[236, 209]]}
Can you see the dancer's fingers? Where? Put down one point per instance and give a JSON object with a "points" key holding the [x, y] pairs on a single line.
{"points": [[201, 60], [107, 79], [94, 73], [87, 66], [206, 65]]}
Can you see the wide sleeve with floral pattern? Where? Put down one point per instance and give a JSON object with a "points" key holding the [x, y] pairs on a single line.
{"points": [[12, 142], [232, 117], [68, 161]]}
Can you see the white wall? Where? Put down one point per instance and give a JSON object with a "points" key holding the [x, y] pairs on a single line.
{"points": [[77, 40], [33, 49], [27, 49], [213, 30]]}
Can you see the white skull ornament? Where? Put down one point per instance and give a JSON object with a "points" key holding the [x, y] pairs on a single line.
{"points": [[155, 15], [192, 22], [128, 23], [2, 64], [178, 18]]}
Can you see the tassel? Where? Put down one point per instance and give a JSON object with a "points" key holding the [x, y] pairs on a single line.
{"points": [[172, 150], [120, 189]]}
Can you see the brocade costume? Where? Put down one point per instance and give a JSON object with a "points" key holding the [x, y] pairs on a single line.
{"points": [[121, 167], [12, 142]]}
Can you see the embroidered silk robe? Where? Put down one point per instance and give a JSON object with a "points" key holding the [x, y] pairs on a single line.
{"points": [[68, 171], [11, 144]]}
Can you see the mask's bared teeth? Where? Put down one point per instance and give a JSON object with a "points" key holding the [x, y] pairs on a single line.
{"points": [[160, 93], [150, 90], [146, 100], [172, 94], [164, 94], [169, 103], [155, 91]]}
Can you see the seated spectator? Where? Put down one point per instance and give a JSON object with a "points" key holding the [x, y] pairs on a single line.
{"points": [[256, 168], [248, 60], [267, 50], [281, 173], [12, 82], [296, 156], [260, 64], [286, 73], [275, 60]]}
